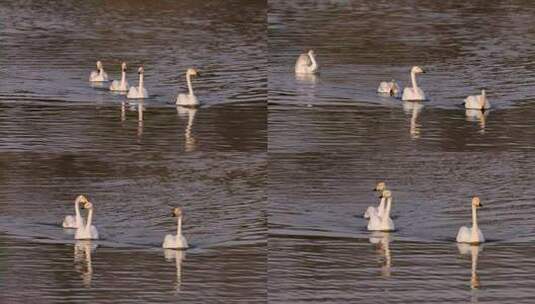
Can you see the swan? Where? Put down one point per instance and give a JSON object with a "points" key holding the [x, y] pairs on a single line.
{"points": [[188, 100], [382, 222], [99, 75], [177, 241], [477, 102], [77, 220], [140, 91], [472, 235], [87, 231], [414, 93], [379, 188], [306, 63], [121, 86], [391, 88]]}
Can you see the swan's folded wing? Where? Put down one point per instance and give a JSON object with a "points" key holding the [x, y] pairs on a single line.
{"points": [[304, 59], [463, 236]]}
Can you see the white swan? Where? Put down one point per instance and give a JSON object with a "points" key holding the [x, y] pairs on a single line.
{"points": [[188, 100], [99, 75], [306, 63], [382, 222], [477, 102], [87, 231], [122, 85], [414, 93], [139, 91], [472, 235], [77, 220], [379, 188], [177, 241], [391, 88]]}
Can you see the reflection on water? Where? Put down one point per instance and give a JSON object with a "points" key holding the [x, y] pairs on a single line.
{"points": [[177, 256], [413, 109], [82, 260], [477, 116], [188, 113], [473, 251], [382, 241]]}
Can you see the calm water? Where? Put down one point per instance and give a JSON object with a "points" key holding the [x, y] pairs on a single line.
{"points": [[61, 137], [331, 138]]}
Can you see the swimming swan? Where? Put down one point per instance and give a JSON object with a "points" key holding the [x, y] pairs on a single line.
{"points": [[414, 92], [77, 220], [306, 63], [379, 209], [477, 102], [99, 75], [177, 241], [140, 91], [472, 235], [391, 88], [87, 231], [122, 85], [382, 222], [188, 100]]}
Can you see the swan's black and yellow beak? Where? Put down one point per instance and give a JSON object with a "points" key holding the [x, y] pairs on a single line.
{"points": [[173, 214]]}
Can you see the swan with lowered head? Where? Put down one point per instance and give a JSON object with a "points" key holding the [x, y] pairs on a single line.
{"points": [[382, 222], [177, 241], [139, 91], [477, 102], [306, 63], [99, 75], [188, 100], [122, 85], [379, 188], [87, 231], [472, 235], [77, 220], [391, 88], [414, 93]]}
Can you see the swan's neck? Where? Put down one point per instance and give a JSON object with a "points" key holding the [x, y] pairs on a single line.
{"points": [[190, 88], [123, 77], [179, 226], [382, 205], [388, 207], [89, 218], [413, 79], [140, 82], [101, 71], [474, 220], [77, 209], [314, 63]]}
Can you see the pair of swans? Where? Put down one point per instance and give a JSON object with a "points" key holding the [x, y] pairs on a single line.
{"points": [[84, 230], [87, 231], [306, 63], [379, 217], [414, 93]]}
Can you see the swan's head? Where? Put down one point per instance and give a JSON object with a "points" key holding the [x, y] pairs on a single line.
{"points": [[87, 205], [99, 65], [123, 66], [140, 70], [476, 202], [417, 69], [192, 72], [380, 186], [177, 212], [81, 199], [311, 53], [386, 194]]}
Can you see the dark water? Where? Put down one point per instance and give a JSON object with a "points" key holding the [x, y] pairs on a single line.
{"points": [[60, 137], [331, 138]]}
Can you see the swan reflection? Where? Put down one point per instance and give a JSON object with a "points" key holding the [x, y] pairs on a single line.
{"points": [[382, 241], [178, 256], [413, 108], [183, 112], [307, 78], [477, 116], [82, 260], [473, 250]]}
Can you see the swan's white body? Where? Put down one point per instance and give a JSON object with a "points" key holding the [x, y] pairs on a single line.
{"points": [[306, 63], [177, 241], [391, 88], [139, 91], [87, 231], [477, 102], [120, 85], [414, 93], [188, 100], [74, 221], [471, 235], [379, 210], [382, 222], [99, 75]]}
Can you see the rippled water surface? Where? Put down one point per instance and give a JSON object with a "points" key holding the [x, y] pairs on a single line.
{"points": [[60, 137], [331, 138]]}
